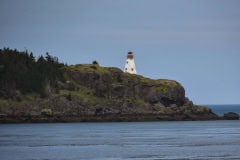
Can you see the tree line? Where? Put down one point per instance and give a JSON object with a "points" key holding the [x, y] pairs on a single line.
{"points": [[24, 73]]}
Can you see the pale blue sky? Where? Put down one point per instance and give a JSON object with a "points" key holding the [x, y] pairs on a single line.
{"points": [[196, 42]]}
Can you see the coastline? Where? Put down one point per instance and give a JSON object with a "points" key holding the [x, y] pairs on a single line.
{"points": [[108, 118], [215, 112]]}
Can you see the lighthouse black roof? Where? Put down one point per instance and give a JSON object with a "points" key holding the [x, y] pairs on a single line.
{"points": [[130, 55]]}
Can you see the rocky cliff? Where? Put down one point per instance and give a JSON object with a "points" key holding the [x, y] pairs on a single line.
{"points": [[94, 93]]}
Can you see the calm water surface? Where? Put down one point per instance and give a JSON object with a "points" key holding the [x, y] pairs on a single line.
{"points": [[214, 140]]}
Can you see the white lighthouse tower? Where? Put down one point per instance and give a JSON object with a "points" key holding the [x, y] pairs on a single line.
{"points": [[130, 65]]}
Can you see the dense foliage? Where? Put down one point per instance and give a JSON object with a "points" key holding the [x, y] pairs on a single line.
{"points": [[21, 72]]}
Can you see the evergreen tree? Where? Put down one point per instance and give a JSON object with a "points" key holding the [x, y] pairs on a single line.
{"points": [[20, 71]]}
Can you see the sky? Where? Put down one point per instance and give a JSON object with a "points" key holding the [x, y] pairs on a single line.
{"points": [[195, 42]]}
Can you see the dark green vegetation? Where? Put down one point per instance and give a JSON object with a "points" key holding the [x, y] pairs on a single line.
{"points": [[45, 90], [20, 72]]}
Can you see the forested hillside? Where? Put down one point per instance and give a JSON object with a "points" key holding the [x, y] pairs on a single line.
{"points": [[21, 72]]}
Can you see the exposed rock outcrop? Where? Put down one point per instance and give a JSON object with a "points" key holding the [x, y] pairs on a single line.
{"points": [[231, 116]]}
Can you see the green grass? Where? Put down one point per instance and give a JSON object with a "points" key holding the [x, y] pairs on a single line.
{"points": [[83, 94], [160, 84], [90, 68], [4, 102], [19, 101]]}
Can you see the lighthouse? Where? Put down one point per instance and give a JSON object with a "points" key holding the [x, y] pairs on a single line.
{"points": [[130, 65]]}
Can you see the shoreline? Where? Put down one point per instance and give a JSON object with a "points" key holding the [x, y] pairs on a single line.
{"points": [[109, 118]]}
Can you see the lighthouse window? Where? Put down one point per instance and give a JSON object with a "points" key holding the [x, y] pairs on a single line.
{"points": [[127, 62], [132, 69], [125, 68]]}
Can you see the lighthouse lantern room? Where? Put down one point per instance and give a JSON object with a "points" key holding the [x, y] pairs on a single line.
{"points": [[130, 65]]}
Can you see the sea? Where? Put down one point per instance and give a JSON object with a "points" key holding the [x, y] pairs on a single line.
{"points": [[166, 140]]}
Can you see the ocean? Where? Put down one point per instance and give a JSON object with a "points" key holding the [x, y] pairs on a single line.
{"points": [[221, 109], [182, 140]]}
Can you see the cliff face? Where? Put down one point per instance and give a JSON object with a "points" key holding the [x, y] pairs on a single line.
{"points": [[112, 83], [94, 93]]}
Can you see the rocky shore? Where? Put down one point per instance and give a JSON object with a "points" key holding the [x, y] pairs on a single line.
{"points": [[95, 93]]}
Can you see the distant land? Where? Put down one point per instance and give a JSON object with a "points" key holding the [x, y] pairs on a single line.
{"points": [[45, 90]]}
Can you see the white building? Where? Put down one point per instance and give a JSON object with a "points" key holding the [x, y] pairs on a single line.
{"points": [[130, 65]]}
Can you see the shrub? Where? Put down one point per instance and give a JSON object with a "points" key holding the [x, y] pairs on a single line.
{"points": [[95, 62], [18, 98], [203, 109], [47, 112]]}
